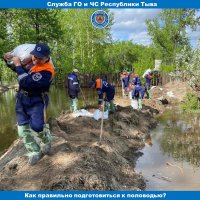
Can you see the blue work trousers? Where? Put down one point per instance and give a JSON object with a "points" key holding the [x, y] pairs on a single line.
{"points": [[30, 110]]}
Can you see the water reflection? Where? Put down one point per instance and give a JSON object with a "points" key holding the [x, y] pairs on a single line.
{"points": [[171, 157], [7, 119], [181, 137]]}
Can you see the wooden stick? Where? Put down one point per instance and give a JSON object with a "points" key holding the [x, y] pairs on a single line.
{"points": [[84, 100]]}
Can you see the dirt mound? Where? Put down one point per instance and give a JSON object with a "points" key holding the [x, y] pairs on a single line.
{"points": [[78, 161], [168, 95]]}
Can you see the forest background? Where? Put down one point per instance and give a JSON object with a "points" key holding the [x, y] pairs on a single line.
{"points": [[76, 43]]}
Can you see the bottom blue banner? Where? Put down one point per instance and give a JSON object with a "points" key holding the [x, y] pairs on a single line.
{"points": [[170, 195]]}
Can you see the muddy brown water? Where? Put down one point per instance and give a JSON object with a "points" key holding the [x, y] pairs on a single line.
{"points": [[171, 159]]}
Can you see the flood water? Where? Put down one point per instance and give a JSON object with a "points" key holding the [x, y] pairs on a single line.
{"points": [[171, 159], [58, 102]]}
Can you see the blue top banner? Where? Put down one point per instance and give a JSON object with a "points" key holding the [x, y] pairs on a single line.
{"points": [[61, 4]]}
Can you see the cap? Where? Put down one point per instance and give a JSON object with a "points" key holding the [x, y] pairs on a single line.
{"points": [[75, 71], [41, 50]]}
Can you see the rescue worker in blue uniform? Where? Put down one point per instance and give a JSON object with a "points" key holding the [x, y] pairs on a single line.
{"points": [[73, 89], [102, 87], [148, 77], [138, 94], [135, 79], [31, 101], [125, 81]]}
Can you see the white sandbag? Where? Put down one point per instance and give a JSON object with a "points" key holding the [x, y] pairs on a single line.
{"points": [[146, 72], [134, 104], [153, 87], [98, 114], [170, 94], [82, 112], [23, 52]]}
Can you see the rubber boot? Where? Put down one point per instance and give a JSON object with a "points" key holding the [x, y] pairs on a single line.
{"points": [[106, 106], [73, 105], [140, 104], [30, 144], [147, 92], [44, 139], [150, 95], [112, 106]]}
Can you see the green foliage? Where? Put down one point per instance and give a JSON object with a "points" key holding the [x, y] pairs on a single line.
{"points": [[34, 26], [190, 102], [6, 75], [82, 46], [168, 30], [127, 55], [167, 68], [75, 43], [189, 62]]}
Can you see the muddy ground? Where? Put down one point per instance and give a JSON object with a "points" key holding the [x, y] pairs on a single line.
{"points": [[78, 161]]}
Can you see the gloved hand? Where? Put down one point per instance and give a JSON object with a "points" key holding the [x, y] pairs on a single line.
{"points": [[16, 61], [8, 56]]}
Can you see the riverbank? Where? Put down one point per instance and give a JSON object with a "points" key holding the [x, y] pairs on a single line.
{"points": [[78, 161]]}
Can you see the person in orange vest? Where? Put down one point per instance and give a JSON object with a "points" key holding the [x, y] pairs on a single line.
{"points": [[32, 100], [134, 79], [102, 86]]}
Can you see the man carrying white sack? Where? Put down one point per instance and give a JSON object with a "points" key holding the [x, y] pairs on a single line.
{"points": [[32, 99]]}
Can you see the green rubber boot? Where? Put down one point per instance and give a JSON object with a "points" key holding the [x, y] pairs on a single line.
{"points": [[73, 104], [112, 106], [140, 104], [148, 92], [44, 139], [30, 144], [106, 106]]}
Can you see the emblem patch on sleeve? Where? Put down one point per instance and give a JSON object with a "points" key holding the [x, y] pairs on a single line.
{"points": [[37, 76]]}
